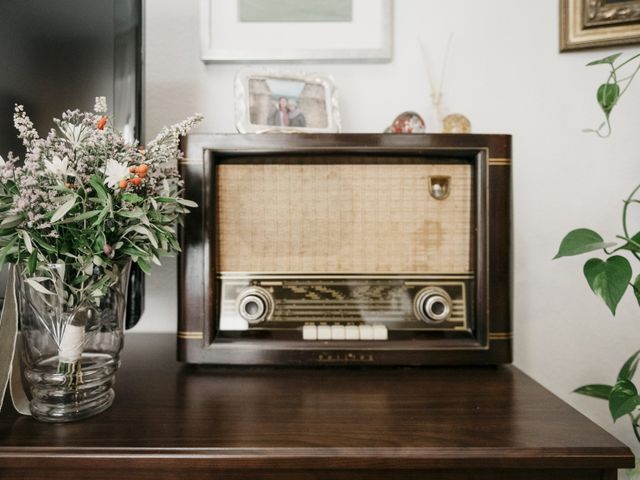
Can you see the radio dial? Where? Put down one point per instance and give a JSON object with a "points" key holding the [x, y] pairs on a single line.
{"points": [[255, 305], [432, 305]]}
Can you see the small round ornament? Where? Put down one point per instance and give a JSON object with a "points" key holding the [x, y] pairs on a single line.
{"points": [[456, 123], [407, 122]]}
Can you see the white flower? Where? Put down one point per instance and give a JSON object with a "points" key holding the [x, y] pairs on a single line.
{"points": [[100, 105], [114, 172], [58, 166], [75, 134], [2, 162]]}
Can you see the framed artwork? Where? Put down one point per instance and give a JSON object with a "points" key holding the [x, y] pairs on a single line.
{"points": [[598, 23], [296, 30], [271, 101]]}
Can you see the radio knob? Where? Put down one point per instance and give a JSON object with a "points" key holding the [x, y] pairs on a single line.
{"points": [[432, 305], [255, 305]]}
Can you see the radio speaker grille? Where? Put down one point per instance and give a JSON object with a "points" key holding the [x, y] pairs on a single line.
{"points": [[337, 218]]}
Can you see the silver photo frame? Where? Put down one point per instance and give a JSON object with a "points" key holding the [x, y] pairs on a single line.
{"points": [[225, 38], [282, 101]]}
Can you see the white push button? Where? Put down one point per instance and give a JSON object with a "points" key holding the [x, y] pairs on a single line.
{"points": [[337, 332], [366, 332], [351, 332], [324, 332], [309, 332], [380, 332]]}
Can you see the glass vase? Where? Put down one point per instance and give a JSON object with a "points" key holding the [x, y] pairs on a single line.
{"points": [[71, 325]]}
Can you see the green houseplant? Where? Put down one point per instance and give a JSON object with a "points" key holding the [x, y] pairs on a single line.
{"points": [[611, 276]]}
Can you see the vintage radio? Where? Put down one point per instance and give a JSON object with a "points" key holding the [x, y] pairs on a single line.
{"points": [[346, 249]]}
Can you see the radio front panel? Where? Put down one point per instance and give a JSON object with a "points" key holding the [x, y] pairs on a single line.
{"points": [[317, 308], [323, 248]]}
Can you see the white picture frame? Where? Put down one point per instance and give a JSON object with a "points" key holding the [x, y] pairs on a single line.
{"points": [[259, 94], [366, 38]]}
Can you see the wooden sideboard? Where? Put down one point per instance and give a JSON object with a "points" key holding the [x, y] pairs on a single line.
{"points": [[170, 421]]}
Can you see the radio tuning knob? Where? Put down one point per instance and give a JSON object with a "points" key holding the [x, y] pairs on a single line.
{"points": [[432, 305], [255, 305]]}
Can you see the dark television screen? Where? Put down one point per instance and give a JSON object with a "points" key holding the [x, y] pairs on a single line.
{"points": [[61, 54]]}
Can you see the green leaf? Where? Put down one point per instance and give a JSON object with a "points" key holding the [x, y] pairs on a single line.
{"points": [[607, 96], [80, 217], [11, 221], [633, 243], [636, 288], [595, 390], [628, 370], [27, 241], [187, 203], [166, 200], [144, 265], [623, 399], [101, 217], [4, 251], [146, 232], [32, 262], [63, 209], [608, 279], [581, 240], [36, 285], [606, 60], [131, 197], [98, 186], [42, 243], [136, 213]]}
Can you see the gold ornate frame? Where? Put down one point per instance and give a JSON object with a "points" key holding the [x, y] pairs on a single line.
{"points": [[598, 23]]}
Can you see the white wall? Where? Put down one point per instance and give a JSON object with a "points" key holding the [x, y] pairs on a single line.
{"points": [[507, 76]]}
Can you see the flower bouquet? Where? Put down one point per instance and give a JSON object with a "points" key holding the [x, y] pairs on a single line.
{"points": [[74, 214]]}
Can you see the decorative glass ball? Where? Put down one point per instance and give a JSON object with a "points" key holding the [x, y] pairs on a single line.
{"points": [[456, 123], [407, 122]]}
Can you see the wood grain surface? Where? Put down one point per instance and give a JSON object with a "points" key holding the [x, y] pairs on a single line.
{"points": [[175, 421]]}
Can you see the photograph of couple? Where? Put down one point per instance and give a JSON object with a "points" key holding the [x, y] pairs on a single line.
{"points": [[287, 103]]}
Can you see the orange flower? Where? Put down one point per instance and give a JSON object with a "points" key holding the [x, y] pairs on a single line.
{"points": [[132, 169], [102, 122], [122, 184], [136, 181], [143, 168]]}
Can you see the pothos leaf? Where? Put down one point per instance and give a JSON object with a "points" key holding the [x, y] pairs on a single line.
{"points": [[595, 390], [629, 368], [636, 288], [581, 240], [607, 96], [608, 279], [606, 60], [623, 399]]}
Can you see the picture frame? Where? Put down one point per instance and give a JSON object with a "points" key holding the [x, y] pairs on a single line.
{"points": [[228, 30], [588, 24], [282, 101]]}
